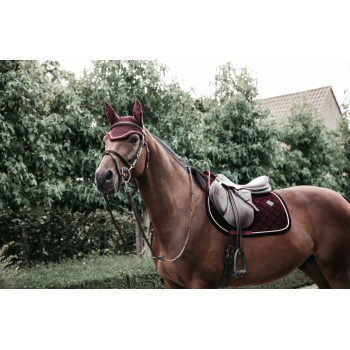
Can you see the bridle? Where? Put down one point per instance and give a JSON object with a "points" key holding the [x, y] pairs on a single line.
{"points": [[124, 179], [131, 165]]}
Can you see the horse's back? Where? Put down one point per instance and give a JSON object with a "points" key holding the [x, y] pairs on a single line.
{"points": [[316, 205]]}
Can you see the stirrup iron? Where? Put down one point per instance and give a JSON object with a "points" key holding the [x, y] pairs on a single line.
{"points": [[239, 273]]}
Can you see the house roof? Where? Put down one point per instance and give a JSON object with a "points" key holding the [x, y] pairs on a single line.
{"points": [[277, 105]]}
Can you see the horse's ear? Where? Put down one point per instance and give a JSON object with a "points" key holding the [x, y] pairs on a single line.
{"points": [[137, 112], [111, 115]]}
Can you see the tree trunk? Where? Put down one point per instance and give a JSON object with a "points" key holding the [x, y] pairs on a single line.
{"points": [[41, 247], [138, 234], [25, 244], [146, 222]]}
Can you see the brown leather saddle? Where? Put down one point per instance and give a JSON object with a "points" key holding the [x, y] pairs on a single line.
{"points": [[234, 203]]}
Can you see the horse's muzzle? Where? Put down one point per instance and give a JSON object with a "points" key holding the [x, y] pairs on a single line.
{"points": [[106, 181]]}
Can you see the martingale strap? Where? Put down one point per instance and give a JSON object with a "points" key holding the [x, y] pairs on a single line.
{"points": [[149, 230], [120, 234]]}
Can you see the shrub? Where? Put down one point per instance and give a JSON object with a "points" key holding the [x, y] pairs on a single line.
{"points": [[8, 272], [52, 234]]}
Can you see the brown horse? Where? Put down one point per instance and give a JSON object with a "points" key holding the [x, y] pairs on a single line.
{"points": [[320, 221]]}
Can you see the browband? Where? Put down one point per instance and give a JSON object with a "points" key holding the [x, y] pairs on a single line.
{"points": [[127, 123]]}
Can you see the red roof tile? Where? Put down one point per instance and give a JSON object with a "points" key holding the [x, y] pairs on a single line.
{"points": [[277, 105]]}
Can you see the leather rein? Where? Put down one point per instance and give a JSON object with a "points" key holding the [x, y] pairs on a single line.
{"points": [[125, 177]]}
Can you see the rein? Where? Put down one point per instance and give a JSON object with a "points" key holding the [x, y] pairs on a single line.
{"points": [[124, 181]]}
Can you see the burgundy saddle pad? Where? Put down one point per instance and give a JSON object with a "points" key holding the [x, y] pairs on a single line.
{"points": [[272, 218]]}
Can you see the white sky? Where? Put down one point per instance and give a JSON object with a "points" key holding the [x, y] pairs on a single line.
{"points": [[274, 77]]}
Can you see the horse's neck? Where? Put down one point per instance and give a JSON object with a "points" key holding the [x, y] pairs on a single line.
{"points": [[165, 190]]}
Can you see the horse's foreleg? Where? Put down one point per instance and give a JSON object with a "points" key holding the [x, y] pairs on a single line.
{"points": [[171, 285], [313, 271], [167, 285]]}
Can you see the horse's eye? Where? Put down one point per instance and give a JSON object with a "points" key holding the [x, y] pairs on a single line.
{"points": [[134, 139]]}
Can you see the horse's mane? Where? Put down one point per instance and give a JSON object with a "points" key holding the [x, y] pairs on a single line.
{"points": [[346, 198], [200, 178]]}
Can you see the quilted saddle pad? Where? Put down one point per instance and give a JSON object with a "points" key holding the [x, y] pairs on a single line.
{"points": [[272, 218]]}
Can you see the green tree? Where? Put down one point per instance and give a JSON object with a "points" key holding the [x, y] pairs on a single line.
{"points": [[169, 112], [343, 130], [44, 136], [51, 129], [313, 154], [241, 142]]}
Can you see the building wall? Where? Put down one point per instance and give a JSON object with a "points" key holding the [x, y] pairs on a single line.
{"points": [[330, 111]]}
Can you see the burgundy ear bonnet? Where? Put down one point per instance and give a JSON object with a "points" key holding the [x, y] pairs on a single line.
{"points": [[120, 132]]}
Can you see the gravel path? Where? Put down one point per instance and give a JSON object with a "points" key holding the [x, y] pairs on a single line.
{"points": [[313, 286]]}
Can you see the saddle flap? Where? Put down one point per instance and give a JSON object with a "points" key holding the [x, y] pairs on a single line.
{"points": [[219, 196], [245, 194]]}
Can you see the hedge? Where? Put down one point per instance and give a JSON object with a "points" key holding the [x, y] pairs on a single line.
{"points": [[107, 272], [55, 234]]}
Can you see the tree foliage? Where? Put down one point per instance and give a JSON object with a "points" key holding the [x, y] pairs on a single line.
{"points": [[343, 130], [240, 139], [313, 154], [45, 137], [52, 125]]}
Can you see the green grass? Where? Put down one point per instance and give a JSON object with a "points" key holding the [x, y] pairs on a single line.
{"points": [[122, 272], [295, 279], [93, 273]]}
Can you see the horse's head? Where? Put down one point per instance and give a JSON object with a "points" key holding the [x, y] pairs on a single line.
{"points": [[123, 147]]}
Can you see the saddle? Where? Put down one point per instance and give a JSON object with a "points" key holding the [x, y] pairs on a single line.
{"points": [[222, 190], [234, 203]]}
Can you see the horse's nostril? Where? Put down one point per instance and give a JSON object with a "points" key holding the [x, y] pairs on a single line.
{"points": [[109, 175]]}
